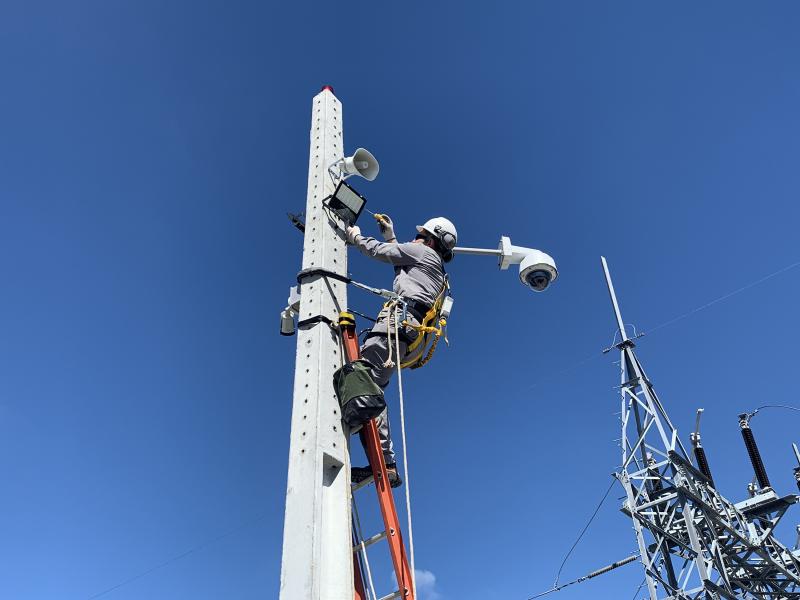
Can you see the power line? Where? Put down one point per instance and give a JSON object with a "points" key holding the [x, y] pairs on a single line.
{"points": [[671, 321], [583, 531], [564, 371], [724, 297], [638, 589], [593, 574], [178, 557], [786, 406]]}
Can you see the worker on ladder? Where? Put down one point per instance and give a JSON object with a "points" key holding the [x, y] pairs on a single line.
{"points": [[420, 279]]}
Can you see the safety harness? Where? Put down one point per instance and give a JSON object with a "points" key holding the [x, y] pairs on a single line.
{"points": [[432, 327], [427, 330]]}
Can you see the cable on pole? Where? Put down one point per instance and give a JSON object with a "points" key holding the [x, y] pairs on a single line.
{"points": [[178, 557], [320, 272], [362, 315]]}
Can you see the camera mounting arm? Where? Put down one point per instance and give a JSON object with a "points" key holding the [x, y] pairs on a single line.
{"points": [[537, 270]]}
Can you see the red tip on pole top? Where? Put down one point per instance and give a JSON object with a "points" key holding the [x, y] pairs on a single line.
{"points": [[327, 87]]}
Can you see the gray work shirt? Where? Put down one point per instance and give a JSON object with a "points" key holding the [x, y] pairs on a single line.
{"points": [[418, 269]]}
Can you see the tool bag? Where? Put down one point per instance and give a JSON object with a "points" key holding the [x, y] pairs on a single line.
{"points": [[359, 396]]}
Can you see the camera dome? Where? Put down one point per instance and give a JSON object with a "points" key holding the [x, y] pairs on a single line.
{"points": [[537, 270], [538, 280]]}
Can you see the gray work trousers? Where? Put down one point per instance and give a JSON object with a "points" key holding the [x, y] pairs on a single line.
{"points": [[376, 351]]}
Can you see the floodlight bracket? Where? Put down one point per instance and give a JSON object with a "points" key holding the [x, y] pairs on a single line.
{"points": [[337, 173]]}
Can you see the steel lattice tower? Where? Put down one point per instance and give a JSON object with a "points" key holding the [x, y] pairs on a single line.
{"points": [[693, 542]]}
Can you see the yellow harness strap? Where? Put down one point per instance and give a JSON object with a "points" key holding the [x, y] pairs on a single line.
{"points": [[425, 329]]}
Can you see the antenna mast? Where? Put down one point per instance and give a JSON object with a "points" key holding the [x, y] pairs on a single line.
{"points": [[694, 543]]}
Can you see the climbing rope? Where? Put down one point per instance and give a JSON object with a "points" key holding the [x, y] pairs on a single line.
{"points": [[391, 311], [395, 309]]}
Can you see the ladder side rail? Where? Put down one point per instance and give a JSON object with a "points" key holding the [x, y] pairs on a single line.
{"points": [[351, 350], [358, 580], [386, 501], [372, 447]]}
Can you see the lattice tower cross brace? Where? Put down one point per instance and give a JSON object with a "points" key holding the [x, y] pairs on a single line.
{"points": [[317, 560]]}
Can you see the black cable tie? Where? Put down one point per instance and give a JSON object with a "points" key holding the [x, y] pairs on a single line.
{"points": [[315, 320], [313, 272]]}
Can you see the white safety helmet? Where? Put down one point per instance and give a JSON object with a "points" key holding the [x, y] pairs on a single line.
{"points": [[444, 231]]}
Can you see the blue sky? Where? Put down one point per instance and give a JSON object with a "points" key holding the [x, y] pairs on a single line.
{"points": [[149, 153]]}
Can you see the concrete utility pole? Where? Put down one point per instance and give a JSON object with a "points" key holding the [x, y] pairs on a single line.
{"points": [[317, 558]]}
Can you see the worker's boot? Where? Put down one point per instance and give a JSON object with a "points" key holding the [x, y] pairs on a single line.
{"points": [[394, 478], [359, 474]]}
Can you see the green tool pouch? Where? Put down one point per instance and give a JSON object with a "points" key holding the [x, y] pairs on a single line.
{"points": [[359, 396]]}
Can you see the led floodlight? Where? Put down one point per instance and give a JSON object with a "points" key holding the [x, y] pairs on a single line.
{"points": [[346, 203]]}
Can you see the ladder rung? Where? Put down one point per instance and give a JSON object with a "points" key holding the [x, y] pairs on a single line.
{"points": [[363, 483], [397, 594], [369, 541]]}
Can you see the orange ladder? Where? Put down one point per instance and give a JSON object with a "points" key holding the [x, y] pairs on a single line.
{"points": [[372, 447]]}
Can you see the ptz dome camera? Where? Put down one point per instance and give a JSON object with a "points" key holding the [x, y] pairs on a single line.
{"points": [[537, 270]]}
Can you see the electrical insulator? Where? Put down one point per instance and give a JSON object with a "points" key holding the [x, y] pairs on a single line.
{"points": [[702, 462], [752, 451]]}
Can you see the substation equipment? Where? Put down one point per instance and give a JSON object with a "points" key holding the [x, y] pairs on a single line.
{"points": [[694, 543]]}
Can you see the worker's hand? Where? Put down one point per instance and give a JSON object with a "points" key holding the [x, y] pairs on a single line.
{"points": [[352, 232], [386, 226]]}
